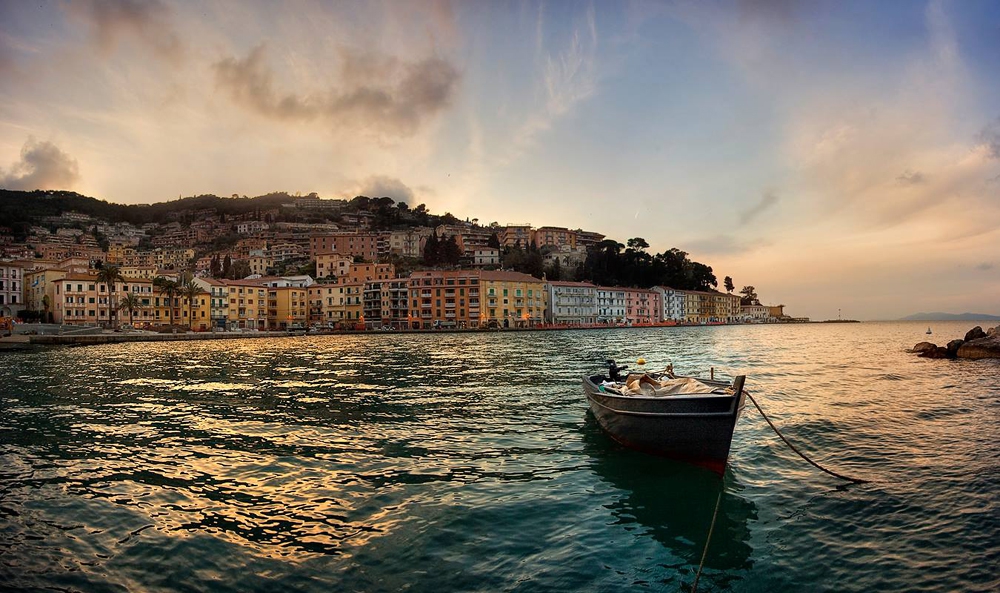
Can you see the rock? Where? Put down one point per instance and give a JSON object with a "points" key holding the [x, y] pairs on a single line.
{"points": [[953, 346], [923, 347], [993, 332], [975, 334], [935, 352], [982, 348]]}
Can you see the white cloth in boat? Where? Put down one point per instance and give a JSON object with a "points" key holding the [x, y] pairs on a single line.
{"points": [[636, 384]]}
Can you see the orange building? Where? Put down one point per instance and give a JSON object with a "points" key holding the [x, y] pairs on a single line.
{"points": [[444, 298]]}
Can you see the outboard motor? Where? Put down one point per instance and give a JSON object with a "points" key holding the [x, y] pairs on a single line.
{"points": [[614, 371]]}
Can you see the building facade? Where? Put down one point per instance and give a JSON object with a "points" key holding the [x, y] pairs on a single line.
{"points": [[510, 299], [571, 303]]}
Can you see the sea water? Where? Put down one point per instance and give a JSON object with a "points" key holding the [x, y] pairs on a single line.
{"points": [[469, 462]]}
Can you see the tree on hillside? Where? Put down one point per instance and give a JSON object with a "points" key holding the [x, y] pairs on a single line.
{"points": [[749, 296], [728, 283], [432, 250], [450, 253], [638, 244], [494, 241], [554, 272]]}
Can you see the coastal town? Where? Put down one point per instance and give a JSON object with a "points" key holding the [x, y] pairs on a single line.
{"points": [[318, 264]]}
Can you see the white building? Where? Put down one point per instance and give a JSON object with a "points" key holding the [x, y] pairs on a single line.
{"points": [[571, 303], [755, 313], [610, 305], [672, 302], [11, 289], [251, 227], [489, 256]]}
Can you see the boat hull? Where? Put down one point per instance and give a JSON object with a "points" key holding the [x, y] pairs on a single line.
{"points": [[693, 428]]}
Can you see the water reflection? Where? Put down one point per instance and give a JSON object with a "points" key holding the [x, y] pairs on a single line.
{"points": [[673, 503]]}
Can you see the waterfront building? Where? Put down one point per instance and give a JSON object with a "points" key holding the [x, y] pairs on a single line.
{"points": [[79, 299], [444, 298], [711, 307], [611, 305], [642, 306], [776, 311], [11, 288], [755, 313], [337, 305], [672, 303], [571, 303], [509, 299], [287, 307], [218, 301], [386, 303], [40, 290]]}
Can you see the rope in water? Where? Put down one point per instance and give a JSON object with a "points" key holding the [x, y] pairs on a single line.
{"points": [[800, 453], [704, 552]]}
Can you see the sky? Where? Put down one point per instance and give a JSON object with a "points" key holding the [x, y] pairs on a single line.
{"points": [[841, 157]]}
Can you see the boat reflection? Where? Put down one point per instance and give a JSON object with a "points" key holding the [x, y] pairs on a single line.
{"points": [[673, 503]]}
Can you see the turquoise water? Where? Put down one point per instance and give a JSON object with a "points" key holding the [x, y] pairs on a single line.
{"points": [[469, 462]]}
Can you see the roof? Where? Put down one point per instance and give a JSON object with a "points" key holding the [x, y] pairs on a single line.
{"points": [[580, 284], [508, 276]]}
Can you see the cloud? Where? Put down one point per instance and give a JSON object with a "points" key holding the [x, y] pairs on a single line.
{"points": [[146, 22], [42, 166], [723, 245], [378, 92], [911, 178], [985, 266], [990, 137], [768, 199], [377, 186]]}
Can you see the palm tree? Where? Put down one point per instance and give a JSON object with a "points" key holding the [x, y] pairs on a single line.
{"points": [[169, 289], [190, 290], [131, 303], [108, 275]]}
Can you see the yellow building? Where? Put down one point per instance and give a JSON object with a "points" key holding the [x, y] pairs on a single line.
{"points": [[332, 264], [81, 300], [337, 305], [510, 299], [246, 307], [287, 307], [39, 284]]}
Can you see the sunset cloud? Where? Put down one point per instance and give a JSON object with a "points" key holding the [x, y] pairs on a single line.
{"points": [[376, 92], [42, 166], [147, 23]]}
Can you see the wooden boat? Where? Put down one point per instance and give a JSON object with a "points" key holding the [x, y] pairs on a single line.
{"points": [[682, 418]]}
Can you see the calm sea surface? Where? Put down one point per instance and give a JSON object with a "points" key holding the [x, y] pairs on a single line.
{"points": [[469, 462]]}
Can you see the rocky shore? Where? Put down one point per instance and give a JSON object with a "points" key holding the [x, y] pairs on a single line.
{"points": [[976, 345]]}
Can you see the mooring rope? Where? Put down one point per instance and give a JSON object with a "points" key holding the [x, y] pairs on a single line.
{"points": [[800, 453], [704, 552]]}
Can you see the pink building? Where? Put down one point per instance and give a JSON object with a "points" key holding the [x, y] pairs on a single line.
{"points": [[642, 307]]}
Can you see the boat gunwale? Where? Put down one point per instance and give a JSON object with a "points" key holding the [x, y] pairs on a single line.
{"points": [[707, 395]]}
